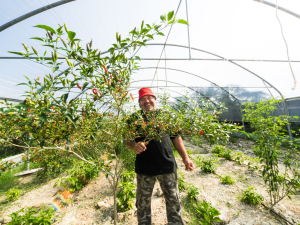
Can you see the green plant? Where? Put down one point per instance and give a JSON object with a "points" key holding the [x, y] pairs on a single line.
{"points": [[227, 154], [33, 216], [218, 149], [81, 174], [182, 185], [256, 150], [250, 196], [209, 213], [13, 194], [239, 158], [193, 192], [207, 164], [126, 194], [227, 180], [189, 152], [270, 133]]}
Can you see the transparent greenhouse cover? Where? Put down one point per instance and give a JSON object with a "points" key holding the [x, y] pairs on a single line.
{"points": [[233, 51]]}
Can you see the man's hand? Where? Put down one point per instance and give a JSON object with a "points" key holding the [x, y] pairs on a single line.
{"points": [[139, 147], [189, 165]]}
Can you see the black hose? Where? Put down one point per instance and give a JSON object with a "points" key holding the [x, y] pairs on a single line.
{"points": [[277, 214]]}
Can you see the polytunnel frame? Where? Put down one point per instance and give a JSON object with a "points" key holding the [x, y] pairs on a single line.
{"points": [[58, 3]]}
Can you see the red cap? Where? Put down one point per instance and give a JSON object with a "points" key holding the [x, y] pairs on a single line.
{"points": [[145, 91]]}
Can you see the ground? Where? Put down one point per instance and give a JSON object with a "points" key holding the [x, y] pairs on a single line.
{"points": [[94, 204]]}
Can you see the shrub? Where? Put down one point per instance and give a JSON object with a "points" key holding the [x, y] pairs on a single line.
{"points": [[250, 196], [227, 154], [33, 216], [208, 165], [193, 192], [209, 213], [13, 194], [218, 149], [81, 174], [227, 180]]}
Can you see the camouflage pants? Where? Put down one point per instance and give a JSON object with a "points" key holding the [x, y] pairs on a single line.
{"points": [[168, 184]]}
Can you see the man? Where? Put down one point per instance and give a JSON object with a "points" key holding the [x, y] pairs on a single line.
{"points": [[155, 160]]}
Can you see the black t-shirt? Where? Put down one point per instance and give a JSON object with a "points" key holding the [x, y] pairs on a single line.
{"points": [[158, 158]]}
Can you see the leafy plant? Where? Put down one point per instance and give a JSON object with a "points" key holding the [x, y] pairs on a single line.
{"points": [[270, 132], [209, 213], [250, 196], [218, 149], [256, 150], [227, 154], [13, 194], [207, 164], [81, 174], [126, 194], [33, 216], [193, 192], [239, 158], [182, 185], [227, 180]]}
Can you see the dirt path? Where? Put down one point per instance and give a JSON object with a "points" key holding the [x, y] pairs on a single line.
{"points": [[93, 204]]}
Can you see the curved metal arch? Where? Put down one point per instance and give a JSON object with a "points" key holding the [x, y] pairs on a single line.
{"points": [[33, 13], [168, 68], [210, 53], [279, 7], [183, 86]]}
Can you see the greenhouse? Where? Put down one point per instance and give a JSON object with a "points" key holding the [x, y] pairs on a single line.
{"points": [[224, 83]]}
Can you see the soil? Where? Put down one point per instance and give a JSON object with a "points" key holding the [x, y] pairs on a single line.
{"points": [[94, 204]]}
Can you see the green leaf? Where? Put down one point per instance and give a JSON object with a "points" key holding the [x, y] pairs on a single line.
{"points": [[85, 85], [163, 17], [46, 28], [37, 38], [39, 91], [71, 35], [23, 84], [150, 36], [17, 53], [160, 33], [170, 15], [217, 219], [54, 68], [64, 97], [43, 117], [182, 21], [69, 117]]}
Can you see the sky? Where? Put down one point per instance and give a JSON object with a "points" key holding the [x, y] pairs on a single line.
{"points": [[231, 29]]}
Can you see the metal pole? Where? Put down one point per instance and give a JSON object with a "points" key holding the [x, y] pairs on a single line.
{"points": [[188, 29]]}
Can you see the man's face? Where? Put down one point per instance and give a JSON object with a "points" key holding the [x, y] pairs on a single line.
{"points": [[147, 103]]}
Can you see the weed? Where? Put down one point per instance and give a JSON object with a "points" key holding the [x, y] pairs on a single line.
{"points": [[250, 196], [208, 165], [32, 215], [13, 194], [209, 213], [239, 158], [196, 140], [218, 149], [182, 185], [227, 180], [193, 192], [227, 154]]}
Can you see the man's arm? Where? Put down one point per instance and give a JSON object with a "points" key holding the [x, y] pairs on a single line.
{"points": [[136, 147], [179, 146]]}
